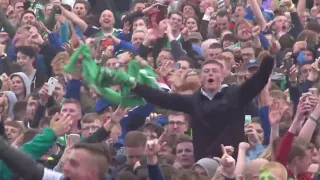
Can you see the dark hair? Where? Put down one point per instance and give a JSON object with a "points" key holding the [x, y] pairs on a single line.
{"points": [[188, 59], [85, 3], [27, 50], [34, 96], [222, 13], [177, 13], [215, 46], [27, 12]]}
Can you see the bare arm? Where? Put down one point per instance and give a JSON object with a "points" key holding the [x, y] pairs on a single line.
{"points": [[301, 7], [257, 13], [74, 18], [241, 159]]}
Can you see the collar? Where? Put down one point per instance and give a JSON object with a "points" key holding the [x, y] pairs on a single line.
{"points": [[210, 96]]}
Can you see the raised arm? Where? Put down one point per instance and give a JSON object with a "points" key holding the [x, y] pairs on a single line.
{"points": [[165, 100], [253, 86], [257, 13], [74, 18]]}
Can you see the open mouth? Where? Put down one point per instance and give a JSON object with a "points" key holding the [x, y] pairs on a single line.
{"points": [[210, 80], [284, 27]]}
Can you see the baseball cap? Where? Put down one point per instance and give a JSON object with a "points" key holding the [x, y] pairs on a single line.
{"points": [[252, 63], [195, 35]]}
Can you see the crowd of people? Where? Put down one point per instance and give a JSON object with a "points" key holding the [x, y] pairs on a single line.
{"points": [[159, 89]]}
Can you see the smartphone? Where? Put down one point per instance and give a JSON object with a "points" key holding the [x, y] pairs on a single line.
{"points": [[26, 5], [58, 11], [287, 63], [106, 42], [3, 77], [73, 139], [314, 92], [176, 66], [247, 119], [52, 83]]}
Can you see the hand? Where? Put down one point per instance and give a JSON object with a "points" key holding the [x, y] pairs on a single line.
{"points": [[244, 146], [125, 57], [252, 136], [299, 45], [293, 74], [313, 102], [60, 18], [43, 27], [169, 32], [256, 31], [209, 11], [61, 124], [152, 117], [67, 47], [275, 113], [275, 47], [36, 38], [153, 147], [313, 75], [229, 149], [155, 5], [6, 82], [116, 117], [303, 107], [227, 162], [43, 93], [2, 49], [287, 3], [185, 33], [165, 69], [240, 70]]}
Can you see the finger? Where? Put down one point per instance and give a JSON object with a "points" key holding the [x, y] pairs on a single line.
{"points": [[223, 150]]}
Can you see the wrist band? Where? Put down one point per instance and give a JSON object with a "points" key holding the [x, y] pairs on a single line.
{"points": [[291, 7], [313, 118]]}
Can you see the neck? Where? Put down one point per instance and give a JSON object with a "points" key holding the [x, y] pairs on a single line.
{"points": [[176, 33], [211, 91], [29, 71], [20, 97], [107, 30], [74, 129]]}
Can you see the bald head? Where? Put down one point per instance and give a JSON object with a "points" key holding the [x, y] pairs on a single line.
{"points": [[252, 168]]}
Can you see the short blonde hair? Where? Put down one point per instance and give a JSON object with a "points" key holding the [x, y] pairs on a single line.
{"points": [[275, 169]]}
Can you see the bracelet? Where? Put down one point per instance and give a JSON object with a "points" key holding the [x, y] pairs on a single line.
{"points": [[313, 118], [291, 7]]}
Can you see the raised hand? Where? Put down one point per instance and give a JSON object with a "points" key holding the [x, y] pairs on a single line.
{"points": [[43, 93], [152, 149], [227, 163], [275, 113], [252, 136], [244, 146], [61, 124]]}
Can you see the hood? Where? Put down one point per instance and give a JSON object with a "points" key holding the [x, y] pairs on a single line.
{"points": [[12, 99], [209, 165], [26, 81]]}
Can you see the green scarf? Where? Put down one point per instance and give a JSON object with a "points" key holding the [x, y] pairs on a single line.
{"points": [[101, 78]]}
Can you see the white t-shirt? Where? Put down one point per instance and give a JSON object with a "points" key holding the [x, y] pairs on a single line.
{"points": [[52, 175]]}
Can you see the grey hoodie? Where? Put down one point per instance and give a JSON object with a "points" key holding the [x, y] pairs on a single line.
{"points": [[12, 99], [209, 165], [26, 81]]}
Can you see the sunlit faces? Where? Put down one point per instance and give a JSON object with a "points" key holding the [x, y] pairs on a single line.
{"points": [[31, 106], [79, 166], [12, 133], [111, 63], [4, 103], [211, 76], [73, 110], [139, 7], [17, 86], [90, 128], [191, 24], [188, 11], [134, 154], [28, 18], [177, 124], [244, 31], [139, 24], [163, 57], [247, 54], [281, 23], [106, 19], [212, 53], [175, 21], [138, 37], [24, 61], [184, 154], [18, 8], [222, 23], [80, 10]]}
